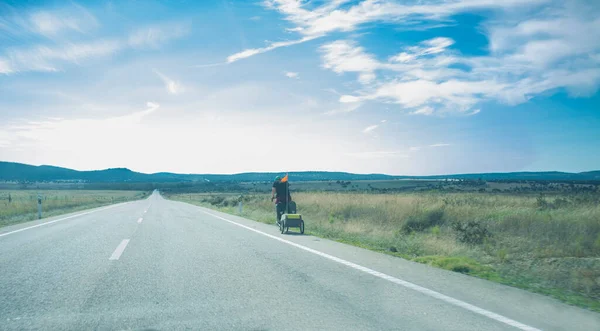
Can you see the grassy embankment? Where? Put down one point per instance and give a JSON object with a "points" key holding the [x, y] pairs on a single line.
{"points": [[545, 245], [22, 206]]}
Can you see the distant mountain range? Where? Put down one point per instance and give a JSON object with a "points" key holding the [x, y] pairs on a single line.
{"points": [[19, 172]]}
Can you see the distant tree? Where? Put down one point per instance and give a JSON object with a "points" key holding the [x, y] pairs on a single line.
{"points": [[9, 198]]}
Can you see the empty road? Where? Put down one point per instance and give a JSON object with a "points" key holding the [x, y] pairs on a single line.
{"points": [[157, 264]]}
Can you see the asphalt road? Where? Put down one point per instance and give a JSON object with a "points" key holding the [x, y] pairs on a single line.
{"points": [[163, 265]]}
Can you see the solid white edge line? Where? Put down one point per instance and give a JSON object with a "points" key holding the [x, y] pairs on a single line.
{"points": [[119, 250], [60, 219], [395, 280]]}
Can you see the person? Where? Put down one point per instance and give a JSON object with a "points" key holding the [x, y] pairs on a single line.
{"points": [[281, 194]]}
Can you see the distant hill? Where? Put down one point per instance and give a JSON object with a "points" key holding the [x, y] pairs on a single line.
{"points": [[19, 172]]}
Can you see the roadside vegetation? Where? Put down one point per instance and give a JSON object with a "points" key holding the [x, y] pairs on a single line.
{"points": [[548, 244], [21, 205]]}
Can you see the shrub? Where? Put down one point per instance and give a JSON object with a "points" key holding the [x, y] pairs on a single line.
{"points": [[423, 221], [560, 203], [471, 232], [541, 202]]}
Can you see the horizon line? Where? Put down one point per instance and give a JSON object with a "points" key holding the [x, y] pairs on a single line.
{"points": [[299, 171]]}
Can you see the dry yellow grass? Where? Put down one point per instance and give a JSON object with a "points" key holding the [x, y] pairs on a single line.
{"points": [[23, 204]]}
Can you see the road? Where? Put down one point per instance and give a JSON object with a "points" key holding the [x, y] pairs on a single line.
{"points": [[157, 264]]}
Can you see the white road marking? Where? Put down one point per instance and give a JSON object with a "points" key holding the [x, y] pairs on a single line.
{"points": [[119, 250], [140, 220], [395, 280], [59, 220]]}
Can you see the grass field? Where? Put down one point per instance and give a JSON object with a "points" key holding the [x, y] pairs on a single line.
{"points": [[549, 245], [22, 206]]}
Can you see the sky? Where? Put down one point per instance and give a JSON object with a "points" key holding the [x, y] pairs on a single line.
{"points": [[415, 87]]}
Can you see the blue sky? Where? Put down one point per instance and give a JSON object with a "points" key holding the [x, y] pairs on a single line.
{"points": [[400, 87]]}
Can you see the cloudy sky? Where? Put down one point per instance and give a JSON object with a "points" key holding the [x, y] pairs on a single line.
{"points": [[399, 87]]}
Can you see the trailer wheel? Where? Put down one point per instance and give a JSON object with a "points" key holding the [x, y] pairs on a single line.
{"points": [[282, 226], [302, 227]]}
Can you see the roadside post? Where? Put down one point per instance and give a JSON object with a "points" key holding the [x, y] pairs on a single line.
{"points": [[240, 205], [39, 198]]}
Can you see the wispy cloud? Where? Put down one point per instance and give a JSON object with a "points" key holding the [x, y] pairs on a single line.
{"points": [[172, 86], [379, 154], [157, 35], [290, 74], [423, 111], [44, 58], [439, 145], [414, 148], [370, 128], [5, 67], [60, 132], [343, 108], [253, 51], [209, 65], [53, 57], [52, 23]]}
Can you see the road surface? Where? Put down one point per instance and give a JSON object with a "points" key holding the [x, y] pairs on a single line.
{"points": [[157, 264]]}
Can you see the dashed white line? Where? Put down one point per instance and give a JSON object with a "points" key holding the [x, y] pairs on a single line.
{"points": [[59, 220], [420, 289], [140, 220], [119, 250]]}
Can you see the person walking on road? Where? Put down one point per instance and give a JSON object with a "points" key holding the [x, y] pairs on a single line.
{"points": [[281, 194]]}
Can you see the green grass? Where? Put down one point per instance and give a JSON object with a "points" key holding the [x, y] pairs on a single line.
{"points": [[23, 203], [548, 245]]}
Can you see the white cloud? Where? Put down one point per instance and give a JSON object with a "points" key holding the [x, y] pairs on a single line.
{"points": [[557, 49], [439, 145], [370, 128], [414, 148], [345, 56], [452, 95], [349, 99], [5, 67], [172, 86], [345, 16], [427, 47], [554, 45], [290, 74], [383, 121]]}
